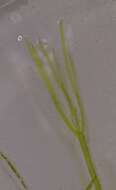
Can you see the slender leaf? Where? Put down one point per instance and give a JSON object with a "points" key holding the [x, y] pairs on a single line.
{"points": [[71, 73], [14, 170]]}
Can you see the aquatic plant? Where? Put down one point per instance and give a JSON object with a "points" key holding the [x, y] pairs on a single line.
{"points": [[62, 79], [12, 167]]}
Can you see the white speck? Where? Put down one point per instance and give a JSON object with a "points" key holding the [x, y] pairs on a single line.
{"points": [[19, 38]]}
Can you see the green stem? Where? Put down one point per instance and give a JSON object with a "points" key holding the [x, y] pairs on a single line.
{"points": [[89, 162]]}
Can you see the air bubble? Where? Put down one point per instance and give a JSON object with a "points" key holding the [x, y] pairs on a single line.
{"points": [[19, 38]]}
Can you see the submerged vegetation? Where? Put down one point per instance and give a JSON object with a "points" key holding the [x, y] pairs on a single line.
{"points": [[62, 79], [11, 166]]}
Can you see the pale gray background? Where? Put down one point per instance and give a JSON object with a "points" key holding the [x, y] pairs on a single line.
{"points": [[30, 131]]}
